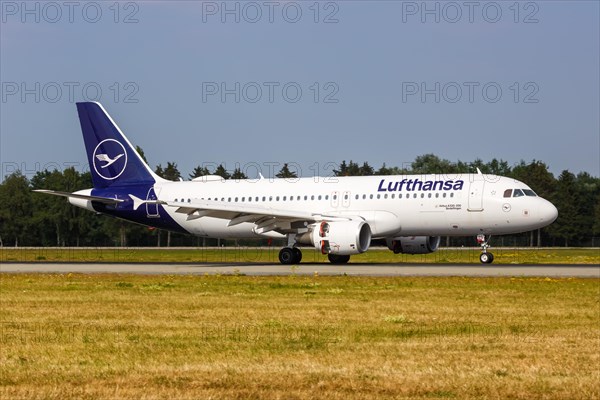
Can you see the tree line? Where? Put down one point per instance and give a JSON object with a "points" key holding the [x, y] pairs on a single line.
{"points": [[32, 219]]}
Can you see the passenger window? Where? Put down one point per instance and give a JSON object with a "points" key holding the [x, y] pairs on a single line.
{"points": [[371, 196], [312, 197], [284, 198], [393, 195], [270, 198], [264, 198], [508, 193], [243, 199], [385, 196], [364, 196], [326, 197], [356, 197], [518, 193], [451, 194], [305, 198], [399, 195], [236, 199], [335, 196], [422, 195], [277, 198], [229, 199], [378, 196], [444, 195], [437, 195], [414, 196]]}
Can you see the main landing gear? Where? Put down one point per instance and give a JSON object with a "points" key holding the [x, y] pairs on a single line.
{"points": [[293, 255], [290, 255], [485, 257]]}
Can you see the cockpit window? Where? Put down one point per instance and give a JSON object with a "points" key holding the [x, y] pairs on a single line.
{"points": [[518, 193], [529, 192], [508, 193]]}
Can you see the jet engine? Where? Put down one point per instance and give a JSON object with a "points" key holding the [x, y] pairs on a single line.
{"points": [[413, 244], [339, 237]]}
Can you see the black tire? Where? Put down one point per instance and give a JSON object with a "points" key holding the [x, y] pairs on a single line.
{"points": [[338, 259], [286, 256], [486, 258], [297, 255]]}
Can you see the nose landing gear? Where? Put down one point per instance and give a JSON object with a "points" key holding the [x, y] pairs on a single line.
{"points": [[485, 257]]}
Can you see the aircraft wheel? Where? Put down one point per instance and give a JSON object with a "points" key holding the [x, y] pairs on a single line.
{"points": [[338, 259], [297, 255], [286, 256], [486, 258]]}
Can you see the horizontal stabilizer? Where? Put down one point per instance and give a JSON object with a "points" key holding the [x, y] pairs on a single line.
{"points": [[105, 200], [137, 202]]}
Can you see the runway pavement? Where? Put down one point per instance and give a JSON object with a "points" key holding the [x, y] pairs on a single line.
{"points": [[473, 270]]}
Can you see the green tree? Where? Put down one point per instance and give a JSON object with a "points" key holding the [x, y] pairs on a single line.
{"points": [[222, 172], [566, 200], [366, 169], [238, 174], [15, 209], [343, 169], [537, 176], [199, 171], [141, 153], [285, 173], [596, 228], [432, 164], [384, 170], [170, 172]]}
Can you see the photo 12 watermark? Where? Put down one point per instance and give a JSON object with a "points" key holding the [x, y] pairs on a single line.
{"points": [[54, 12], [69, 92], [270, 12], [471, 12], [470, 92], [270, 92], [31, 168]]}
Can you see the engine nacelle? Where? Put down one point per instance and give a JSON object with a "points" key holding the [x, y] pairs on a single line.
{"points": [[413, 244], [339, 237]]}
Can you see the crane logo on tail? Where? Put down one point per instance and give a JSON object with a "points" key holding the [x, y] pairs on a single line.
{"points": [[110, 159]]}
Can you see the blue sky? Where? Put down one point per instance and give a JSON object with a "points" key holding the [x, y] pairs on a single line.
{"points": [[376, 81]]}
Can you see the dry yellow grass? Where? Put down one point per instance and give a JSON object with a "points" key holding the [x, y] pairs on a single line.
{"points": [[233, 337]]}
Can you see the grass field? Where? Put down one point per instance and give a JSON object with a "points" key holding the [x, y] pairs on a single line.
{"points": [[297, 337], [270, 255]]}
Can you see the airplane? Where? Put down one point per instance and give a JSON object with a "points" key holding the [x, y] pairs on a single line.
{"points": [[339, 216]]}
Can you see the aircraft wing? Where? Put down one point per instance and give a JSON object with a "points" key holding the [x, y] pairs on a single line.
{"points": [[265, 218], [105, 200]]}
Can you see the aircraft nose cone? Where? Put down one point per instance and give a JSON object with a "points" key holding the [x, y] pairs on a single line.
{"points": [[548, 213]]}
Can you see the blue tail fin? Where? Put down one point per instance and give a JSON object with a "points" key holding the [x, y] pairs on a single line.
{"points": [[113, 160]]}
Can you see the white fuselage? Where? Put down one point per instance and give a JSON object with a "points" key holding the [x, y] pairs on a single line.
{"points": [[392, 205]]}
